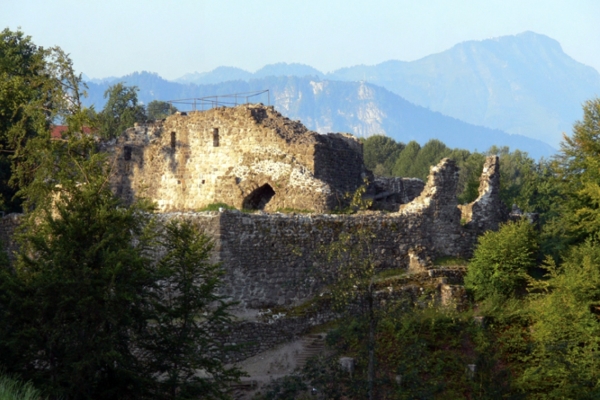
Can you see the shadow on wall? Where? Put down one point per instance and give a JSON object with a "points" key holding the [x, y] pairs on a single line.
{"points": [[259, 198]]}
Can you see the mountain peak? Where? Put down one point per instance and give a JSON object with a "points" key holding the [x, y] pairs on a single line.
{"points": [[285, 69]]}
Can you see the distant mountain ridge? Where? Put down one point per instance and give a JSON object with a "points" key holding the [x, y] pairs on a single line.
{"points": [[335, 106], [223, 74], [521, 84]]}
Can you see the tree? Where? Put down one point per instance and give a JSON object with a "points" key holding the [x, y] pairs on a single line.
{"points": [[578, 170], [565, 329], [121, 111], [406, 159], [78, 290], [26, 95], [87, 314], [37, 88], [157, 109], [430, 154], [501, 261], [189, 319], [380, 154]]}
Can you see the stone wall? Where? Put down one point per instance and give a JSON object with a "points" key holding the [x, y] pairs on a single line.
{"points": [[403, 190], [276, 259], [487, 211], [247, 156]]}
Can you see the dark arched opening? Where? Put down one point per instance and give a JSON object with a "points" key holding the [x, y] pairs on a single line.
{"points": [[258, 199]]}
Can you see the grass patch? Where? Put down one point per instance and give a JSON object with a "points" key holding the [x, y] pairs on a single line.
{"points": [[288, 210], [216, 206], [450, 262], [11, 389], [388, 273]]}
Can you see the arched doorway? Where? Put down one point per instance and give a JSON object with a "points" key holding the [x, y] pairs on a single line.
{"points": [[258, 199]]}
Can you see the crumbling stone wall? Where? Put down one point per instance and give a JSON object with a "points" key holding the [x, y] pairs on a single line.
{"points": [[487, 211], [276, 259], [247, 156], [391, 192]]}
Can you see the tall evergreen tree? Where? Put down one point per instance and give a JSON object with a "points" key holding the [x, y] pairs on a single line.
{"points": [[78, 289], [189, 320]]}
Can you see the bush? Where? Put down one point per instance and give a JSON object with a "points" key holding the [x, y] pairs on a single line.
{"points": [[501, 260]]}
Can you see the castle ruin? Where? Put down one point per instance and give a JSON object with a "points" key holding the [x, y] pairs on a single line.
{"points": [[251, 157]]}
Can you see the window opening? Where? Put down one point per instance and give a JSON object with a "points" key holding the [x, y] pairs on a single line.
{"points": [[173, 140], [215, 137], [127, 153]]}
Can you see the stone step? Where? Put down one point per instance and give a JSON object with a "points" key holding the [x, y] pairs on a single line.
{"points": [[313, 345]]}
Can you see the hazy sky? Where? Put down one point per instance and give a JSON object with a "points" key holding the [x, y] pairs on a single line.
{"points": [[114, 38]]}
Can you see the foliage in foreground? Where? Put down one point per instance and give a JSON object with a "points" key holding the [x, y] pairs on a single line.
{"points": [[189, 319], [565, 328], [86, 314], [11, 389], [501, 260], [421, 354]]}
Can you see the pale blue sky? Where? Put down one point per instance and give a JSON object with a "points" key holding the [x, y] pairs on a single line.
{"points": [[114, 38]]}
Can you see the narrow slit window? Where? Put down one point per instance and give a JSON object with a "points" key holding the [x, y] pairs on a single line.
{"points": [[215, 137], [173, 140], [127, 153]]}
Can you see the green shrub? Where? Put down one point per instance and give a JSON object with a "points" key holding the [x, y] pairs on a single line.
{"points": [[501, 260]]}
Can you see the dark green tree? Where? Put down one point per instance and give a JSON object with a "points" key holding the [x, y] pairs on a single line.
{"points": [[501, 261], [78, 288], [578, 169], [120, 112], [380, 154], [471, 165], [157, 109], [565, 328], [189, 319], [406, 159], [430, 154]]}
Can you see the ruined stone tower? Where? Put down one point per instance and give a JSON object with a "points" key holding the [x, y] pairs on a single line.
{"points": [[248, 156]]}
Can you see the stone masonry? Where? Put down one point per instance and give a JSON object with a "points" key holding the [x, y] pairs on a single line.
{"points": [[487, 211], [247, 156], [273, 259]]}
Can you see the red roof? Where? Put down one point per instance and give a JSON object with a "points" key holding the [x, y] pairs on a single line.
{"points": [[58, 130]]}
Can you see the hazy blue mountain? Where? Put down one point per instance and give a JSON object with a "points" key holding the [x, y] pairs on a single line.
{"points": [[285, 69], [334, 106], [220, 74], [223, 74], [522, 84]]}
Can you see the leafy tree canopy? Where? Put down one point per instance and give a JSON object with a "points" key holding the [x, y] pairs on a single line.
{"points": [[157, 109], [380, 153], [121, 110], [501, 260]]}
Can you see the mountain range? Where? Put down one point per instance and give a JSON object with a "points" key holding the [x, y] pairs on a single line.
{"points": [[522, 91]]}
